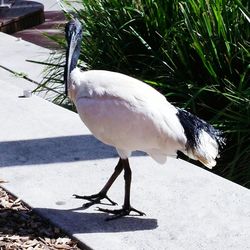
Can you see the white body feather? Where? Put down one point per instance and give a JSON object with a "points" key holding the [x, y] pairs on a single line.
{"points": [[126, 113], [130, 115]]}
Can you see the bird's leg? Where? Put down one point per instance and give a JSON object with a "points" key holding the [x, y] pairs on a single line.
{"points": [[127, 208], [96, 198]]}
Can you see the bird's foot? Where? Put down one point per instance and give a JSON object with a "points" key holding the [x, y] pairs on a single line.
{"points": [[118, 213], [95, 199]]}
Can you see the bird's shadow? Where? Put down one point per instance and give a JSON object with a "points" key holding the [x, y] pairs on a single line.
{"points": [[78, 220], [55, 150]]}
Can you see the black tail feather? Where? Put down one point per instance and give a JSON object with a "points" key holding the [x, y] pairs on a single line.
{"points": [[193, 126]]}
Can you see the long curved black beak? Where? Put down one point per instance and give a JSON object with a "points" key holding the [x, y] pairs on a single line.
{"points": [[73, 35], [68, 66]]}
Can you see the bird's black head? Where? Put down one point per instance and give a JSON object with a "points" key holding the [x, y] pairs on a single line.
{"points": [[73, 30], [73, 35]]}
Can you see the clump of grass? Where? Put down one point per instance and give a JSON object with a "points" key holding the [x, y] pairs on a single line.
{"points": [[195, 52], [217, 33]]}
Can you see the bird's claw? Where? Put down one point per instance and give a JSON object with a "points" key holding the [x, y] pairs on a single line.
{"points": [[118, 213], [95, 199]]}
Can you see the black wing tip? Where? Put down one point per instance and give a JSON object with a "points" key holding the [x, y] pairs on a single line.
{"points": [[193, 125]]}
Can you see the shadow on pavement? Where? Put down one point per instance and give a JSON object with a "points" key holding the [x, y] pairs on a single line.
{"points": [[79, 221], [54, 150]]}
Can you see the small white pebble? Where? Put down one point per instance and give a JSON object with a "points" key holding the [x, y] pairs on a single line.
{"points": [[27, 93]]}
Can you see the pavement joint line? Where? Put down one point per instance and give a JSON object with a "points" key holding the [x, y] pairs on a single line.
{"points": [[18, 74]]}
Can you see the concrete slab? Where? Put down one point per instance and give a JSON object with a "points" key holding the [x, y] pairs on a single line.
{"points": [[15, 54], [47, 154], [14, 79]]}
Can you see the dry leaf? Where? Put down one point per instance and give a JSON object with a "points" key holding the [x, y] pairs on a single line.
{"points": [[20, 228]]}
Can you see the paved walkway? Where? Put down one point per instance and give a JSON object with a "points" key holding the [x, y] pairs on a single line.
{"points": [[47, 154]]}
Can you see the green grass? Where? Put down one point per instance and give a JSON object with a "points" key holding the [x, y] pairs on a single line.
{"points": [[195, 52]]}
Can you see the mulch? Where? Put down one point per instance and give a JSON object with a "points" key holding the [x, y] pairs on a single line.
{"points": [[22, 228]]}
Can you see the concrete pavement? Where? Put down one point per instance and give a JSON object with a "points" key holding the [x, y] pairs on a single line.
{"points": [[47, 154], [15, 54]]}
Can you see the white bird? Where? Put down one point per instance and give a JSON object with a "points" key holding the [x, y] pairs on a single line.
{"points": [[129, 115]]}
